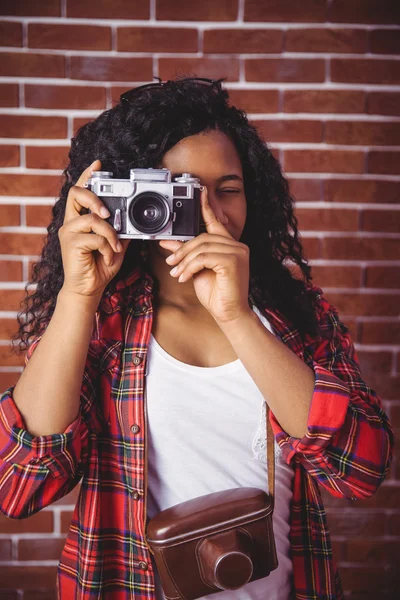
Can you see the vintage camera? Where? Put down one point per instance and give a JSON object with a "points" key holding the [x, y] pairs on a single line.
{"points": [[149, 205]]}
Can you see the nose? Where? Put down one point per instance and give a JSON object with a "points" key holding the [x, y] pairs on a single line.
{"points": [[216, 207]]}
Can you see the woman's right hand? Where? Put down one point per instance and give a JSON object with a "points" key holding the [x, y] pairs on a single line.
{"points": [[90, 260]]}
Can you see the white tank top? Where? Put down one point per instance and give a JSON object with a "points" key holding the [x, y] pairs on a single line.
{"points": [[206, 434]]}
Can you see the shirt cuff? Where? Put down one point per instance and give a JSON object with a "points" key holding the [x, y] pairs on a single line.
{"points": [[327, 414], [59, 452]]}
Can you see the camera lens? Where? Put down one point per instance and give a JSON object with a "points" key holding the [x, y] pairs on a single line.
{"points": [[149, 212]]}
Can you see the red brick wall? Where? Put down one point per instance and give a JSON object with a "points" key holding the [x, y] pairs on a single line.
{"points": [[322, 81]]}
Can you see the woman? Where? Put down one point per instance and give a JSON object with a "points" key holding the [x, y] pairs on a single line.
{"points": [[210, 342]]}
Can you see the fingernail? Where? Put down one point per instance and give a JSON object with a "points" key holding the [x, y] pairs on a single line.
{"points": [[174, 270], [119, 247], [104, 212]]}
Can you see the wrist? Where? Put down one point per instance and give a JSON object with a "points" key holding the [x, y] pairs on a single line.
{"points": [[79, 301]]}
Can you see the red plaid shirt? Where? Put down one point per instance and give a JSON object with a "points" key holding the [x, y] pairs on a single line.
{"points": [[347, 450]]}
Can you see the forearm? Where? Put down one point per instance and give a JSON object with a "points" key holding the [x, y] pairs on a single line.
{"points": [[48, 392], [284, 380]]}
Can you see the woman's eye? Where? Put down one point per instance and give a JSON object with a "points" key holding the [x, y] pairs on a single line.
{"points": [[229, 191]]}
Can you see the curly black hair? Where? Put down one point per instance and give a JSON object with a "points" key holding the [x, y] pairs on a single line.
{"points": [[136, 134]]}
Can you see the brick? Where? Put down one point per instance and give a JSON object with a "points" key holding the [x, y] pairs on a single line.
{"points": [[40, 549], [69, 37], [387, 163], [69, 499], [65, 520], [10, 33], [41, 522], [362, 132], [331, 276], [9, 94], [387, 387], [117, 9], [381, 277], [40, 594], [384, 41], [368, 580], [65, 96], [25, 126], [393, 524], [324, 101], [29, 185], [26, 243], [212, 68], [5, 549], [29, 64], [111, 69], [46, 157], [320, 219], [381, 220], [9, 156], [10, 270], [311, 247], [30, 8], [380, 360], [38, 216], [78, 123], [377, 551], [308, 11], [359, 11], [365, 70], [8, 379], [286, 130], [9, 215], [157, 39], [9, 595], [323, 161], [9, 356], [42, 576], [367, 248], [344, 190], [380, 333], [326, 40], [383, 103], [255, 101], [305, 189], [285, 70], [8, 326], [207, 10], [353, 523], [237, 41]]}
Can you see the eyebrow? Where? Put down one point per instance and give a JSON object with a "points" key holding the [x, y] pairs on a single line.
{"points": [[231, 177]]}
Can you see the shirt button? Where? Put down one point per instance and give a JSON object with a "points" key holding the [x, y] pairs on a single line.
{"points": [[137, 360], [143, 565], [135, 495], [135, 428]]}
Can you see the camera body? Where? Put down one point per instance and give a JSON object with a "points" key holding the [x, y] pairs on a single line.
{"points": [[149, 205]]}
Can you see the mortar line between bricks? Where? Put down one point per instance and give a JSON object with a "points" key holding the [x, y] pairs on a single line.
{"points": [[93, 54], [245, 85], [240, 14], [235, 24]]}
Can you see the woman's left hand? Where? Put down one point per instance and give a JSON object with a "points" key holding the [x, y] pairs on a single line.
{"points": [[218, 264]]}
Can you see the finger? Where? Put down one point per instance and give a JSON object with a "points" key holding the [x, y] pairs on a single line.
{"points": [[90, 243], [202, 249], [217, 262], [87, 173], [93, 223], [205, 239], [79, 198], [213, 225]]}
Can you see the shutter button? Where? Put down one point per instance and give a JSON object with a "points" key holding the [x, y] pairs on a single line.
{"points": [[135, 428], [137, 360]]}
